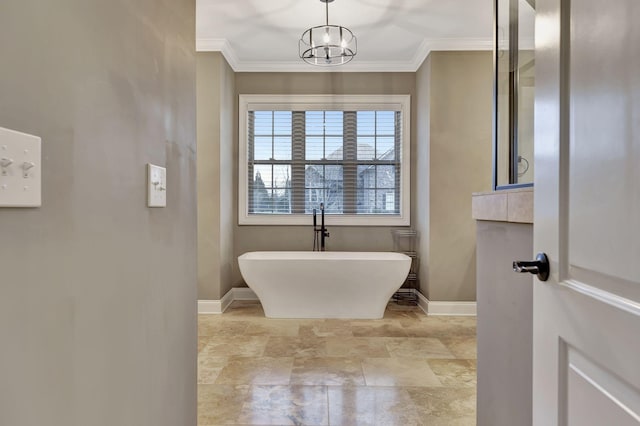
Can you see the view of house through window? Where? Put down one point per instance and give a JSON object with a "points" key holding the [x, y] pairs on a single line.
{"points": [[344, 159]]}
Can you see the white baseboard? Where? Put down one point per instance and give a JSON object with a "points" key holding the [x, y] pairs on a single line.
{"points": [[429, 307], [423, 302], [452, 308], [434, 308], [219, 306], [209, 307], [226, 301], [243, 293]]}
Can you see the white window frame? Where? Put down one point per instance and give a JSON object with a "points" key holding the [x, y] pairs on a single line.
{"points": [[400, 103]]}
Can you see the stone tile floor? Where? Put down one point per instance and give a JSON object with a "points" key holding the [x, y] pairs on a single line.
{"points": [[405, 369]]}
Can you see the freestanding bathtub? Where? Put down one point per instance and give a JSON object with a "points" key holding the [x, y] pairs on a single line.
{"points": [[311, 284]]}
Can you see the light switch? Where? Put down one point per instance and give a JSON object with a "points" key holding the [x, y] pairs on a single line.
{"points": [[20, 169], [156, 186]]}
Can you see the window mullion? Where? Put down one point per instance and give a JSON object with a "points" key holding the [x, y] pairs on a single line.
{"points": [[350, 167], [397, 155], [250, 145], [375, 157], [298, 130]]}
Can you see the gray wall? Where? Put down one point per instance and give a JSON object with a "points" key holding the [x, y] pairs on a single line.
{"points": [[228, 153], [421, 200], [97, 291], [349, 238], [216, 147], [505, 325], [459, 90]]}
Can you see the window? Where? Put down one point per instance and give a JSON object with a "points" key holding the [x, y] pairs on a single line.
{"points": [[350, 153]]}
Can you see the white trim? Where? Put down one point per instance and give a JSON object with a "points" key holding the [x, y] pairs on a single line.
{"points": [[227, 300], [447, 44], [452, 308], [461, 44], [209, 307], [427, 46], [423, 302], [219, 45], [400, 103], [421, 54], [434, 308], [327, 102], [244, 293], [603, 296], [330, 220], [429, 307], [219, 306]]}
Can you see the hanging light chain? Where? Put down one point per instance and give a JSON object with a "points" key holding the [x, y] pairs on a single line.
{"points": [[326, 4]]}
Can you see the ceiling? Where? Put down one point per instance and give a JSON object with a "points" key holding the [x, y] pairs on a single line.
{"points": [[393, 35]]}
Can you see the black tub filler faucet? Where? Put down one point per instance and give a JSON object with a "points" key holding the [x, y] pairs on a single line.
{"points": [[322, 230]]}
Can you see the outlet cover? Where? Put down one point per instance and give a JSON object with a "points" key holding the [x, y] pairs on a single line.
{"points": [[156, 186]]}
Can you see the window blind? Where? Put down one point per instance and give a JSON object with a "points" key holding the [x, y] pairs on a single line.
{"points": [[348, 160]]}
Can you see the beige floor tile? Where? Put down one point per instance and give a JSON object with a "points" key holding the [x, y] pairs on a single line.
{"points": [[419, 347], [310, 371], [202, 342], [327, 371], [245, 309], [209, 367], [358, 347], [395, 311], [272, 327], [235, 346], [395, 307], [256, 371], [220, 404], [371, 406], [444, 405], [441, 326], [211, 325], [285, 405], [448, 421], [459, 321], [462, 347], [398, 372], [378, 329], [295, 347], [455, 372], [327, 328]]}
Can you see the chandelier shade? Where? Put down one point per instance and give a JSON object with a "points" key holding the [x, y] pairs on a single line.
{"points": [[328, 45]]}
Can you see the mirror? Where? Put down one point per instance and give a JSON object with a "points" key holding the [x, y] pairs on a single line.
{"points": [[514, 93]]}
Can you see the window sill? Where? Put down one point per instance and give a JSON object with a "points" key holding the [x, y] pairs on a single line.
{"points": [[330, 220]]}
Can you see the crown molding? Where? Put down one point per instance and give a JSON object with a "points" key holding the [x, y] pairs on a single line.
{"points": [[427, 46], [219, 45], [444, 44]]}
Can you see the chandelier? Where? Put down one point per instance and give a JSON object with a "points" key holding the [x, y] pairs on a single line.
{"points": [[327, 45]]}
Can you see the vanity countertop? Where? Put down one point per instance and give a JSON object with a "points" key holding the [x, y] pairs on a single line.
{"points": [[511, 205]]}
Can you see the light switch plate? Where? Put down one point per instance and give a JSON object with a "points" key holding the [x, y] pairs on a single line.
{"points": [[20, 169], [156, 186]]}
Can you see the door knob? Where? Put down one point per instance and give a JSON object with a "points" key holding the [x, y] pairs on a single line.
{"points": [[539, 267]]}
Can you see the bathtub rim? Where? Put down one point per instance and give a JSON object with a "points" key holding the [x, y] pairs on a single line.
{"points": [[324, 255]]}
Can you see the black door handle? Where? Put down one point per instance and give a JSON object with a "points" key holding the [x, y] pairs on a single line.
{"points": [[539, 267]]}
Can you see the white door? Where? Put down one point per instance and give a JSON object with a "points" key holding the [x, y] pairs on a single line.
{"points": [[587, 213]]}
